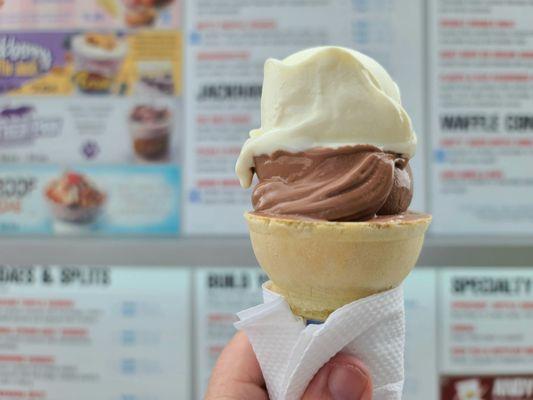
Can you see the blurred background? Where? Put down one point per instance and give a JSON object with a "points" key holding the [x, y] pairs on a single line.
{"points": [[124, 252]]}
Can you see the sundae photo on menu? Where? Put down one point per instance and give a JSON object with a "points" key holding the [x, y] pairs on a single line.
{"points": [[331, 223], [73, 198], [151, 131], [98, 58], [140, 13]]}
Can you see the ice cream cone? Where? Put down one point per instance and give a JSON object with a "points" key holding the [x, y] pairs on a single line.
{"points": [[320, 266]]}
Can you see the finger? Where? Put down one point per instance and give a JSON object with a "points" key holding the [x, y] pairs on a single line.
{"points": [[237, 375], [342, 378]]}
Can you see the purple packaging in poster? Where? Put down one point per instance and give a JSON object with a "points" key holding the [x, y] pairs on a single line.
{"points": [[28, 56]]}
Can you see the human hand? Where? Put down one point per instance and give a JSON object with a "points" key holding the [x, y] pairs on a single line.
{"points": [[237, 376]]}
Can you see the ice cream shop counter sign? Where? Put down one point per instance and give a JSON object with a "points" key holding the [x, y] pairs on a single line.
{"points": [[89, 63], [96, 200]]}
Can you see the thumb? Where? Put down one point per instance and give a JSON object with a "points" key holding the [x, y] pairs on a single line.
{"points": [[342, 378]]}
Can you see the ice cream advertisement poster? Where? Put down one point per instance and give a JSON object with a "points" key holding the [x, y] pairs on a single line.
{"points": [[146, 63], [96, 200], [90, 14], [90, 130]]}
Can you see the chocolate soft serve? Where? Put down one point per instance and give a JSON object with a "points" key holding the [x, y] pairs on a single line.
{"points": [[352, 183]]}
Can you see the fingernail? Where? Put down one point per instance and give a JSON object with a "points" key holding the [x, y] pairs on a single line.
{"points": [[348, 382]]}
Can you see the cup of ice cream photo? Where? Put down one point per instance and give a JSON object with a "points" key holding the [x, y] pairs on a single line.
{"points": [[151, 131], [331, 224], [73, 198], [141, 13], [98, 59]]}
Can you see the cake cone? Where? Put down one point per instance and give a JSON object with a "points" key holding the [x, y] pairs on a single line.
{"points": [[320, 266]]}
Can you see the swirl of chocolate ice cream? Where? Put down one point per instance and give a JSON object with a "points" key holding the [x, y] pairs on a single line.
{"points": [[351, 183]]}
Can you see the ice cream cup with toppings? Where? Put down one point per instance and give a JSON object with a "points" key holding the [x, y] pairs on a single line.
{"points": [[98, 59], [151, 131]]}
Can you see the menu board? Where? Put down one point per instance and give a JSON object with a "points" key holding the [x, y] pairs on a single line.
{"points": [[36, 200], [421, 367], [102, 82], [91, 117], [222, 292], [227, 45], [487, 341], [482, 122], [142, 63], [111, 333]]}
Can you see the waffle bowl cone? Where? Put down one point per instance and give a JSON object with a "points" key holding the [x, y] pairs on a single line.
{"points": [[320, 266]]}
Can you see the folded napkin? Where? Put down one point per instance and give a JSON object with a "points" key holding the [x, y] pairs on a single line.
{"points": [[291, 353]]}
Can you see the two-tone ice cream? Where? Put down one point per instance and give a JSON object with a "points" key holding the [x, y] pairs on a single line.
{"points": [[334, 142], [331, 223]]}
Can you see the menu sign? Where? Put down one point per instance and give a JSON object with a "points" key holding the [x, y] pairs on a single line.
{"points": [[227, 45], [482, 120], [487, 341], [146, 63], [111, 333], [89, 14], [222, 292]]}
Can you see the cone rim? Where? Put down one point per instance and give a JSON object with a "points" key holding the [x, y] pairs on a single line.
{"points": [[395, 229]]}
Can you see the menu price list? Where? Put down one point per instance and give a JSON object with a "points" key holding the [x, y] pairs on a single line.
{"points": [[222, 292], [226, 45], [110, 332], [487, 341], [75, 14], [481, 120], [219, 294]]}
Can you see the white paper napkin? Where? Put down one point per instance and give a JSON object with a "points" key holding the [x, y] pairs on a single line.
{"points": [[290, 353]]}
